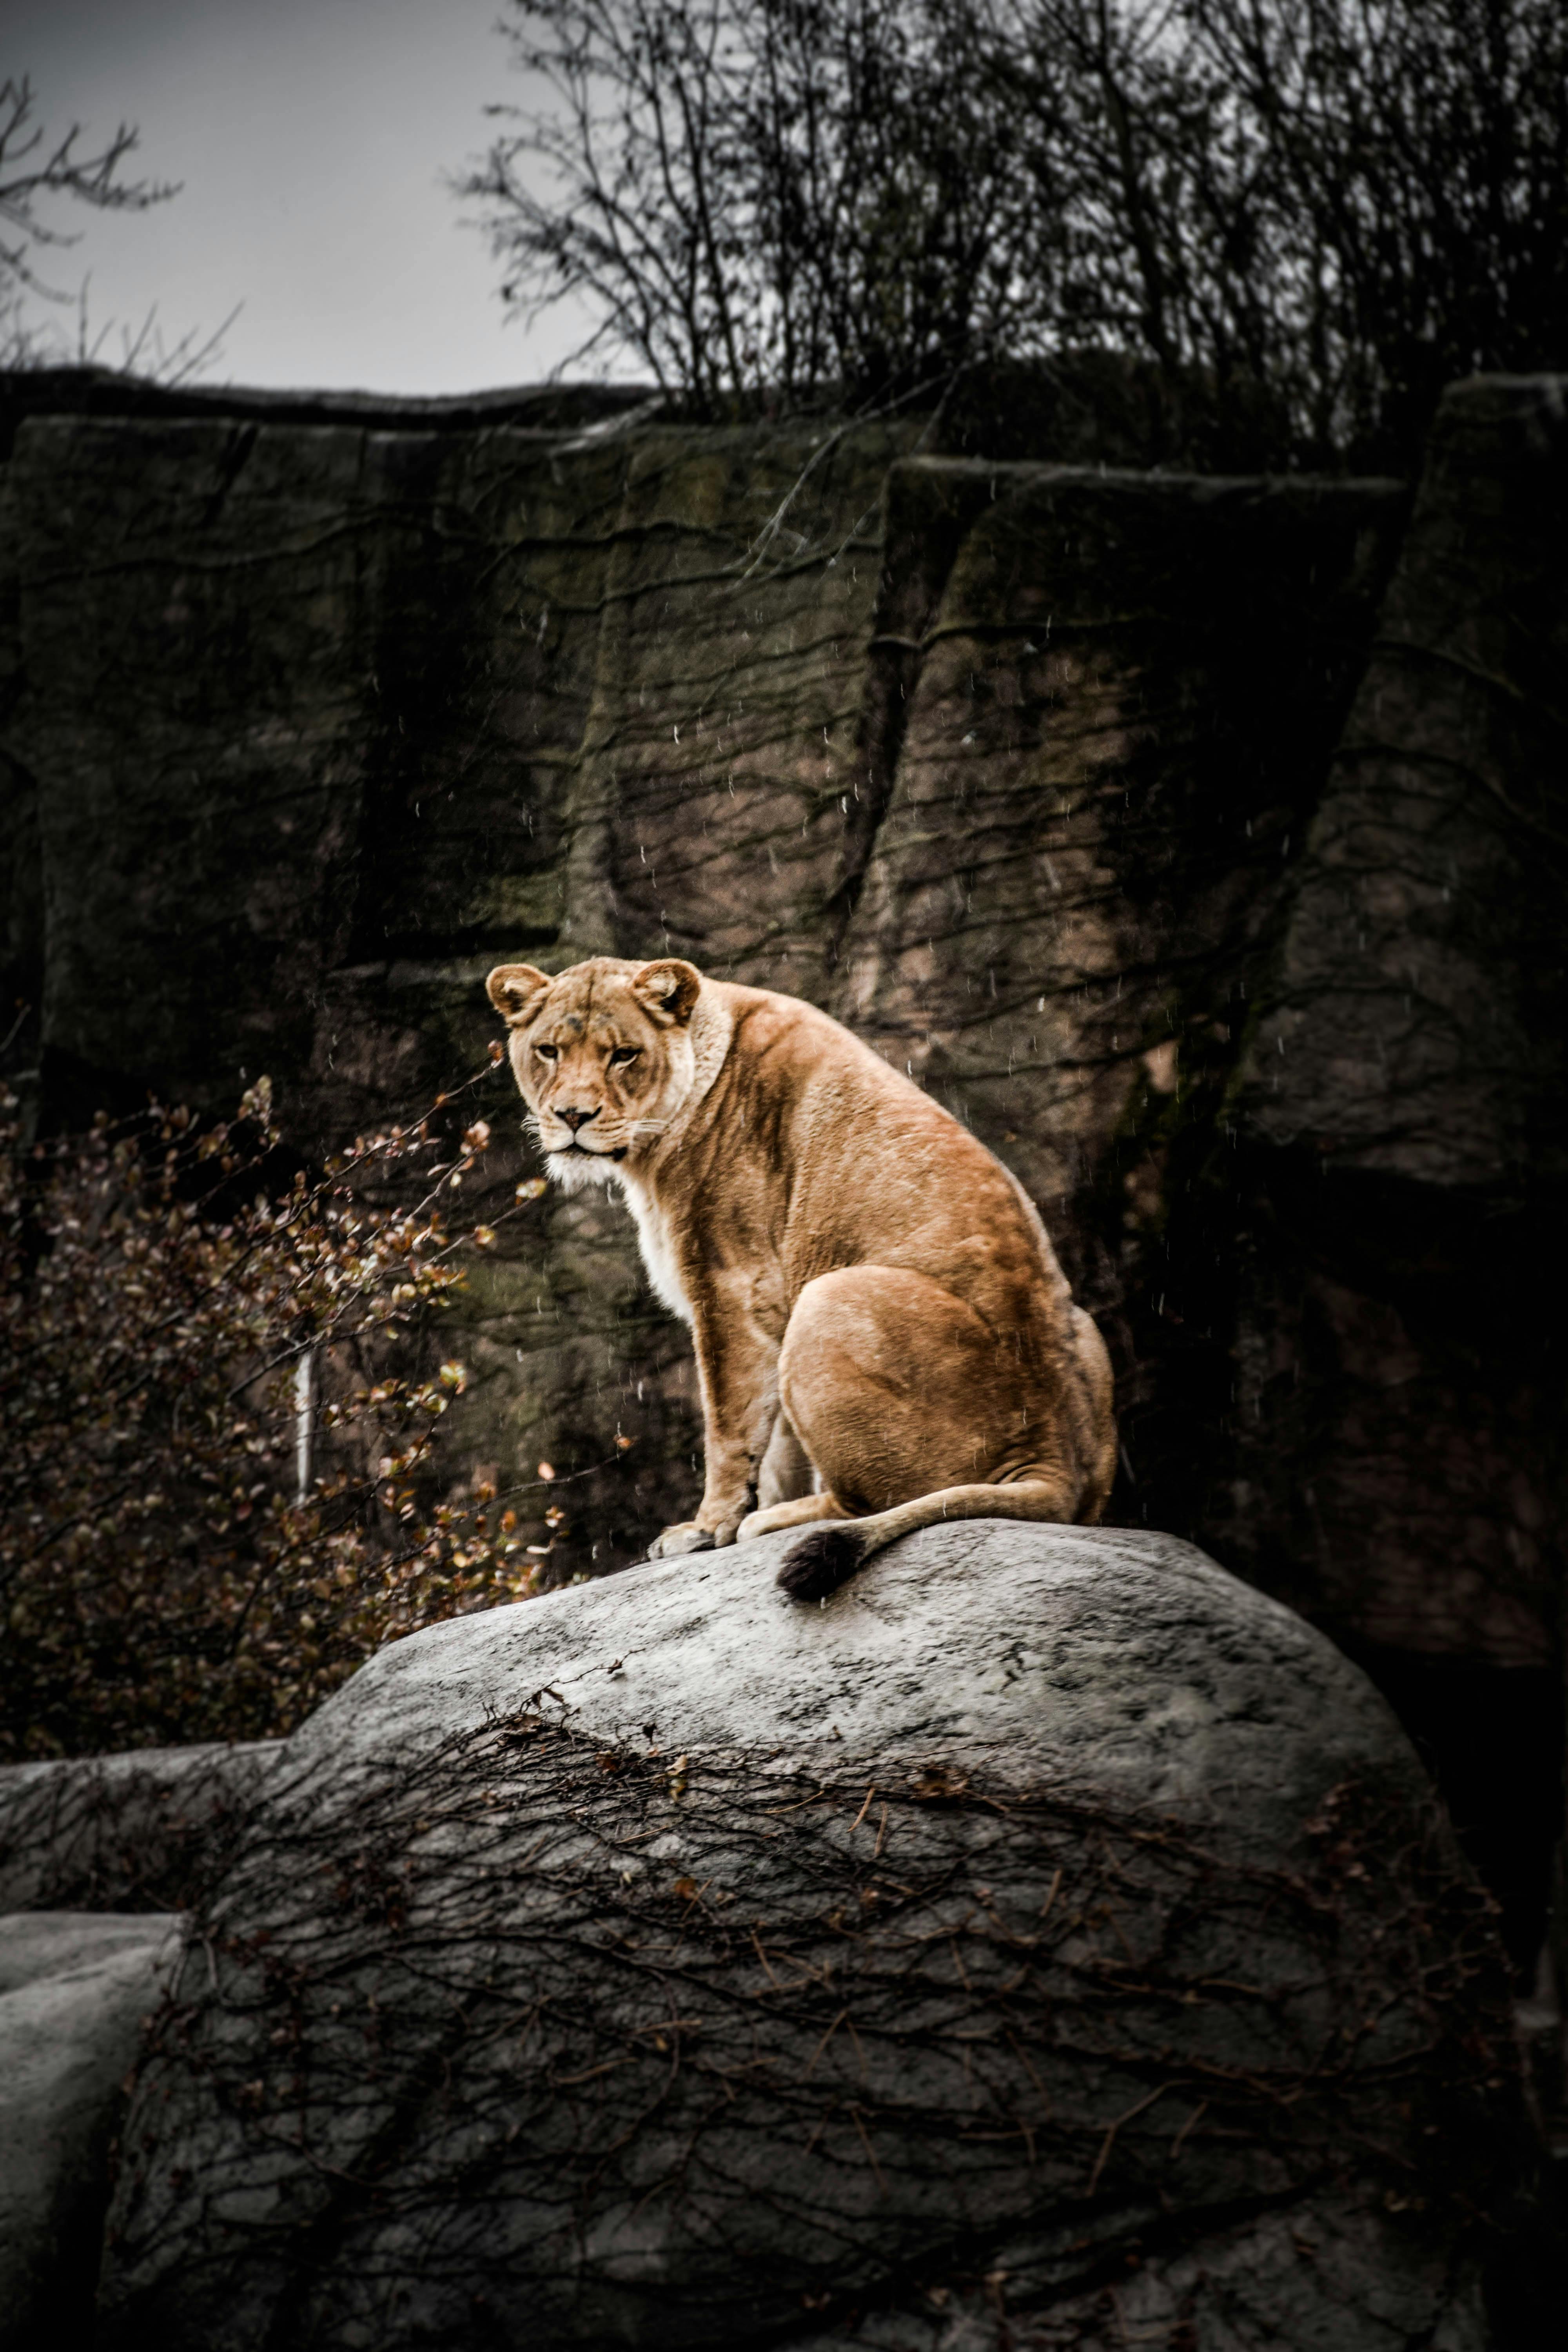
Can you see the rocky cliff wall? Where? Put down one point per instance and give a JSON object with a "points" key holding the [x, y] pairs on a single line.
{"points": [[1199, 841]]}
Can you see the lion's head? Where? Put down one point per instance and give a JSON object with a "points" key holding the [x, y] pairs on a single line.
{"points": [[602, 1054]]}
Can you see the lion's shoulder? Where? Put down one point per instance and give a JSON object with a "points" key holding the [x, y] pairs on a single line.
{"points": [[795, 1045]]}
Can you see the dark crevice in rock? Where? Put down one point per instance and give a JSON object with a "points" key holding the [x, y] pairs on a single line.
{"points": [[229, 467], [71, 1091], [1346, 1393], [926, 510], [1492, 1738]]}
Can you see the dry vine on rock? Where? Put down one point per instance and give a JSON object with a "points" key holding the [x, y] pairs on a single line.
{"points": [[680, 2047]]}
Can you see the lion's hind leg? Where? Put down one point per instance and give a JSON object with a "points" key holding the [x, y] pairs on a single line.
{"points": [[897, 1387], [912, 1412], [800, 1513]]}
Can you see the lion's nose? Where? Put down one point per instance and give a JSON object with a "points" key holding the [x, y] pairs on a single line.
{"points": [[575, 1119]]}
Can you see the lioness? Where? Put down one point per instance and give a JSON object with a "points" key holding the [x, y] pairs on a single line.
{"points": [[872, 1295]]}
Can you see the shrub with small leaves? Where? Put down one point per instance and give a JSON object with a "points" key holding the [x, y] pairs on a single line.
{"points": [[219, 1490]]}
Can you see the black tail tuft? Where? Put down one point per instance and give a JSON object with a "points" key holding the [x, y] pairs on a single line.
{"points": [[821, 1562]]}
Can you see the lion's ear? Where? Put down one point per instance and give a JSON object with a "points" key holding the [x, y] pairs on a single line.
{"points": [[515, 989], [668, 989]]}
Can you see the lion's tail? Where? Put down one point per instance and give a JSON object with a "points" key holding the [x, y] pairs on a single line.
{"points": [[831, 1554]]}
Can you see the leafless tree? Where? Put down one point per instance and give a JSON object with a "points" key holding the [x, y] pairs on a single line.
{"points": [[765, 199], [1325, 208], [1346, 202]]}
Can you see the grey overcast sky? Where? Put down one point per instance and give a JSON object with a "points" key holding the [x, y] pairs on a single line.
{"points": [[311, 137]]}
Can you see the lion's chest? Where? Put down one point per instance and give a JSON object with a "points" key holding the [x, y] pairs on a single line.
{"points": [[658, 1251]]}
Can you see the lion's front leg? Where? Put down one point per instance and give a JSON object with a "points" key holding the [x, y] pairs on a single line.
{"points": [[738, 1366], [729, 1496], [685, 1536]]}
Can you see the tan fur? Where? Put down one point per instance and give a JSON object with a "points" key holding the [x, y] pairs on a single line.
{"points": [[871, 1295]]}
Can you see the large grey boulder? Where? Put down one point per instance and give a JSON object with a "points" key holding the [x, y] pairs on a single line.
{"points": [[1047, 1937], [1101, 1658], [75, 1993]]}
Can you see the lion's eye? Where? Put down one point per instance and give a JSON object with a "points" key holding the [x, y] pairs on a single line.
{"points": [[548, 1053], [624, 1054]]}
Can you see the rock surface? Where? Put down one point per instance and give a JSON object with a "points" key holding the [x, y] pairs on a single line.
{"points": [[75, 1992], [1048, 1940], [1081, 1657]]}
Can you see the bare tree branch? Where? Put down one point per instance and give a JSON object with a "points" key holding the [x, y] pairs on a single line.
{"points": [[1311, 212]]}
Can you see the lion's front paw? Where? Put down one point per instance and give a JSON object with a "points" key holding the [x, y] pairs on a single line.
{"points": [[687, 1537]]}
